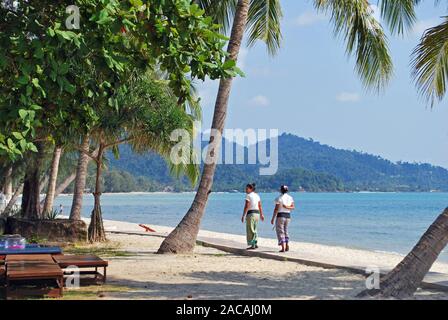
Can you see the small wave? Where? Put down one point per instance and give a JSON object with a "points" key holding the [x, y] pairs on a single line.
{"points": [[388, 252]]}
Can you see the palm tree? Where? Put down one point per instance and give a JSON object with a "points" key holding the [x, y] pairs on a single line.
{"points": [[7, 181], [353, 19], [430, 70], [147, 116], [80, 178], [52, 180]]}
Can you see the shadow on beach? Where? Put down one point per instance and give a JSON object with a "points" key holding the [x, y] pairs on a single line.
{"points": [[326, 284]]}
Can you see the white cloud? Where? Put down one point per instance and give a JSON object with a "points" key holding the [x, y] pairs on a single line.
{"points": [[308, 18], [260, 101], [348, 97]]}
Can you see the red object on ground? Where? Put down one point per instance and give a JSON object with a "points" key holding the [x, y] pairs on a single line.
{"points": [[147, 229]]}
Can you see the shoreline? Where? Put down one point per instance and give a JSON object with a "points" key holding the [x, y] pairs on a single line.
{"points": [[337, 255]]}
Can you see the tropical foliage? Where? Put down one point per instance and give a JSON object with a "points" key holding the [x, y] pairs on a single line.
{"points": [[52, 77]]}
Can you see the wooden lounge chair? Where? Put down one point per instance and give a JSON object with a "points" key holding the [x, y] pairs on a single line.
{"points": [[21, 271], [2, 270], [29, 258], [84, 262]]}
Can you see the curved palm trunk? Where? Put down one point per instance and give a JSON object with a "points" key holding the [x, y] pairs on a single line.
{"points": [[13, 200], [64, 184], [68, 180], [54, 169], [80, 180], [406, 277], [96, 227], [31, 189], [183, 238], [7, 190], [43, 182]]}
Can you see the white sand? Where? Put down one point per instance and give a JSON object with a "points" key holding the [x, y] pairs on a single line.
{"points": [[213, 274]]}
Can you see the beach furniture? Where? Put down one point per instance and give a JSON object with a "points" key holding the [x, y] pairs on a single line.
{"points": [[2, 270], [147, 229], [31, 249], [23, 269], [28, 258], [84, 262]]}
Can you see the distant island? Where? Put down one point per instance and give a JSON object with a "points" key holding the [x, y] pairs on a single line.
{"points": [[304, 164]]}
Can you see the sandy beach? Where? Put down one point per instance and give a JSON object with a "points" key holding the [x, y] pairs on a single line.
{"points": [[139, 273]]}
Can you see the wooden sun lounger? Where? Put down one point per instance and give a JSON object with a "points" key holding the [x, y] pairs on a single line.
{"points": [[29, 258], [84, 262], [20, 271], [2, 270]]}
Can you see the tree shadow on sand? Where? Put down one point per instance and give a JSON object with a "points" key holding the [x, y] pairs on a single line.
{"points": [[325, 284]]}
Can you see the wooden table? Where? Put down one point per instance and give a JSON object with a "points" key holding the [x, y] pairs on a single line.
{"points": [[34, 270], [83, 262]]}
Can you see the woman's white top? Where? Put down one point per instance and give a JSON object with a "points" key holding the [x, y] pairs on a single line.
{"points": [[284, 199], [253, 199]]}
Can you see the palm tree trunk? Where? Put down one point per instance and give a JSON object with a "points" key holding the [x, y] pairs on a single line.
{"points": [[80, 180], [68, 180], [96, 228], [183, 238], [406, 277], [43, 182], [64, 184], [7, 190], [49, 198], [31, 190], [13, 200]]}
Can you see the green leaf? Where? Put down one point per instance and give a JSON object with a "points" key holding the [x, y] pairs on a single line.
{"points": [[32, 147], [23, 114], [50, 32], [17, 135], [35, 82], [11, 144], [229, 64], [22, 80]]}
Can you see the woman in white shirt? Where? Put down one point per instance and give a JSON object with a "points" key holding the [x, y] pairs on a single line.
{"points": [[253, 212], [284, 204]]}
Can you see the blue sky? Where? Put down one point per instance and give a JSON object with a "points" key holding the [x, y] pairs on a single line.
{"points": [[310, 89]]}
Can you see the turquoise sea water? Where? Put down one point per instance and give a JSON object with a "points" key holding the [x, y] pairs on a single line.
{"points": [[391, 222]]}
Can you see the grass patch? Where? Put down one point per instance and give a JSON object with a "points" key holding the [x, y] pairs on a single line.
{"points": [[93, 292], [103, 250]]}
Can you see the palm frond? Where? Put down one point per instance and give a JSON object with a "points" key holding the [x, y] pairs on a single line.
{"points": [[222, 11], [399, 14], [264, 23], [430, 63], [354, 20], [263, 19]]}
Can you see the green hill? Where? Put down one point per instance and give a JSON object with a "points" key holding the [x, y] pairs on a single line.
{"points": [[303, 164]]}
